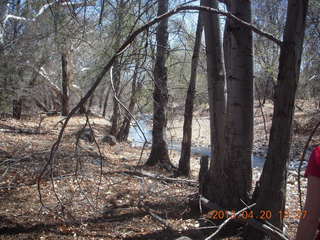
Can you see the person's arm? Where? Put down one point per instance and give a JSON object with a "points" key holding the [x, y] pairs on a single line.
{"points": [[308, 225]]}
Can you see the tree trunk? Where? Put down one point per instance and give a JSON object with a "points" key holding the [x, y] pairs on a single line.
{"points": [[3, 13], [116, 109], [90, 102], [184, 162], [105, 104], [237, 168], [65, 85], [214, 189], [272, 192], [159, 150], [17, 108]]}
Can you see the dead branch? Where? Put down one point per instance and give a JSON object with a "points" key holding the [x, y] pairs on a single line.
{"points": [[161, 178]]}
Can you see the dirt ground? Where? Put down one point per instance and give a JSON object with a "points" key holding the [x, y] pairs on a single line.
{"points": [[86, 195]]}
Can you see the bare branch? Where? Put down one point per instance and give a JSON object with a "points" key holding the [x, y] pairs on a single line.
{"points": [[42, 10]]}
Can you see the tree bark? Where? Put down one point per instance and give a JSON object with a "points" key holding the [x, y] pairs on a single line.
{"points": [[65, 85], [184, 162], [17, 108], [116, 74], [105, 104], [3, 13], [116, 109], [159, 150], [215, 188], [237, 168], [272, 193]]}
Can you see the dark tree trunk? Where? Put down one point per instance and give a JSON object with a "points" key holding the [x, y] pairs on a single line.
{"points": [[272, 193], [17, 108], [184, 162], [159, 150], [215, 189], [116, 108], [82, 109], [105, 104], [65, 85], [236, 172]]}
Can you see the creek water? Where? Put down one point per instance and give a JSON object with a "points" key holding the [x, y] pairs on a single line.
{"points": [[145, 123]]}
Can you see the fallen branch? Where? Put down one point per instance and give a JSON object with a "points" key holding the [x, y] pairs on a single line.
{"points": [[10, 129], [161, 178]]}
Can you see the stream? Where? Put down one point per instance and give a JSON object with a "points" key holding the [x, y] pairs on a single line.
{"points": [[145, 122]]}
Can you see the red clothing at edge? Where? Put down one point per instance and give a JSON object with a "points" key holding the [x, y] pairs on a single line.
{"points": [[313, 169]]}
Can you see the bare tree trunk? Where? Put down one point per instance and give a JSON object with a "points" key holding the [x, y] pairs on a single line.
{"points": [[90, 102], [184, 162], [272, 194], [3, 13], [237, 169], [116, 74], [159, 151], [116, 109], [214, 189], [17, 108], [65, 85], [105, 104]]}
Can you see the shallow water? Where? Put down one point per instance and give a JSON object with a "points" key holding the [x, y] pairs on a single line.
{"points": [[137, 139]]}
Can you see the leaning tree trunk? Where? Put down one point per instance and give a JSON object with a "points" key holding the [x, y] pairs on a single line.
{"points": [[184, 162], [214, 188], [236, 170], [272, 193], [159, 150], [65, 85]]}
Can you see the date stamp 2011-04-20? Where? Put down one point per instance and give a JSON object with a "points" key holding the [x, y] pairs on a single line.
{"points": [[250, 214]]}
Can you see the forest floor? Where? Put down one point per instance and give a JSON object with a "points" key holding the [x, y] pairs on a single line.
{"points": [[85, 195]]}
